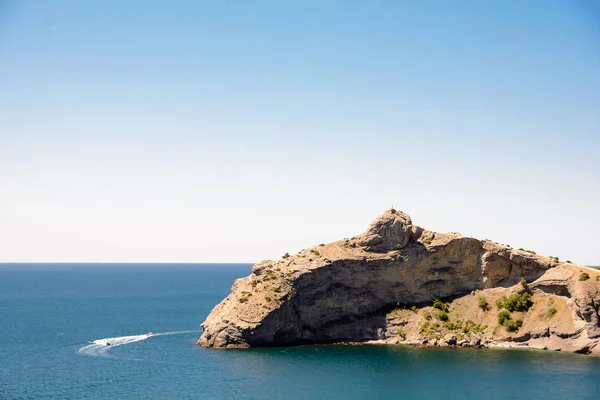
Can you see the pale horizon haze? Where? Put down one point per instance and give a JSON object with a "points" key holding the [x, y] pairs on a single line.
{"points": [[197, 131]]}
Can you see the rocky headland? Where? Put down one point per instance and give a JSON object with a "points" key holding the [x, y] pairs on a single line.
{"points": [[398, 283]]}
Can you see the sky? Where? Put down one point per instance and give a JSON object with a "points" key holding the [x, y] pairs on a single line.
{"points": [[237, 131]]}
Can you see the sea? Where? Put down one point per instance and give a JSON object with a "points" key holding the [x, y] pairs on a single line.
{"points": [[56, 319]]}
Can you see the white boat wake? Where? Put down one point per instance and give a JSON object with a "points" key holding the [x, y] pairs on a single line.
{"points": [[100, 347]]}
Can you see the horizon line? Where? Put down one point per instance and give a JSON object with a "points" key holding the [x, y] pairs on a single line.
{"points": [[159, 263], [121, 262]]}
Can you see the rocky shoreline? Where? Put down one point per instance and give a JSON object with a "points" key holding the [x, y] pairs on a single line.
{"points": [[398, 283]]}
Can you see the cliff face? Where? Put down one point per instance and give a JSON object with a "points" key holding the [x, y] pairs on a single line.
{"points": [[354, 290]]}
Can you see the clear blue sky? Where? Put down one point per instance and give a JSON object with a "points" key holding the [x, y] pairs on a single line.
{"points": [[241, 130]]}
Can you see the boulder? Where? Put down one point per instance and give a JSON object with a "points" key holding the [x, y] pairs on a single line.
{"points": [[390, 231]]}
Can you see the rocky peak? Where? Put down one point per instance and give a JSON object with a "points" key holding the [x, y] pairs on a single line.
{"points": [[389, 231]]}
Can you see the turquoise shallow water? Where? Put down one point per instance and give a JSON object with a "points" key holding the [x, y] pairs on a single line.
{"points": [[51, 314]]}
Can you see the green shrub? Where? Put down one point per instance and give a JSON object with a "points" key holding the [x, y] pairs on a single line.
{"points": [[425, 240], [500, 302], [277, 289], [442, 316], [483, 303], [523, 282], [413, 308], [584, 276], [322, 244], [401, 333], [440, 305], [286, 255], [453, 326], [503, 316], [515, 302], [427, 328], [505, 320], [527, 251], [568, 262], [472, 326], [243, 299], [550, 312], [315, 252], [268, 298], [513, 325], [520, 302]]}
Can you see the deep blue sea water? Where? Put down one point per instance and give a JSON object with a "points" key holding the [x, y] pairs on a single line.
{"points": [[50, 316]]}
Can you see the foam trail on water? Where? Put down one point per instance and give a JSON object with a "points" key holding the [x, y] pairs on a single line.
{"points": [[100, 347]]}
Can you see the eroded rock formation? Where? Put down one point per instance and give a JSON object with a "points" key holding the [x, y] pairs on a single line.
{"points": [[359, 289]]}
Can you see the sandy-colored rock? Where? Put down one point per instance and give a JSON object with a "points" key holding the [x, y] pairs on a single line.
{"points": [[390, 231], [354, 291]]}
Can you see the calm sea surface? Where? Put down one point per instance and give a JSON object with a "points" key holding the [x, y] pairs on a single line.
{"points": [[50, 316]]}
